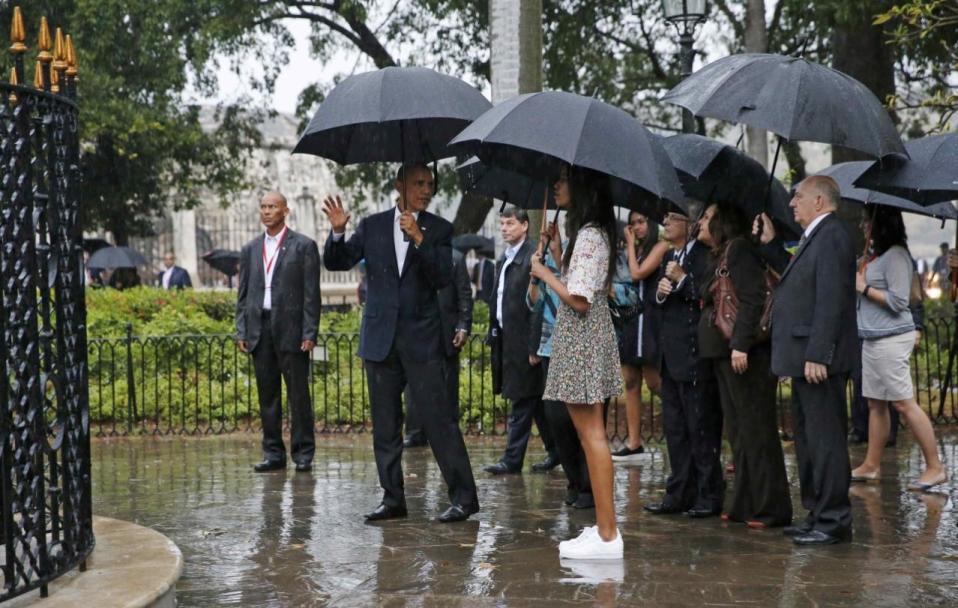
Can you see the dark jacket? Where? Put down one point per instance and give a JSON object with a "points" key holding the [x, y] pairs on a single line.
{"points": [[512, 374], [178, 280], [406, 304], [813, 315], [455, 304], [747, 272], [484, 276], [680, 316], [296, 293]]}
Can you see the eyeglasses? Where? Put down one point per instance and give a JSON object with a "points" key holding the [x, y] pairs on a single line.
{"points": [[675, 217]]}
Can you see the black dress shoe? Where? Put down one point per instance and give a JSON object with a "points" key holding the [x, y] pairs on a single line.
{"points": [[817, 537], [701, 513], [799, 530], [304, 467], [856, 438], [385, 512], [269, 465], [499, 468], [571, 496], [661, 508], [548, 464], [584, 501], [414, 442], [454, 513]]}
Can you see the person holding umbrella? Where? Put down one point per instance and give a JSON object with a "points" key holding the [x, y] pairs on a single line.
{"points": [[584, 367], [408, 259], [887, 330]]}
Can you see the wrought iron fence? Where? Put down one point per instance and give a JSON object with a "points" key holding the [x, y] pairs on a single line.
{"points": [[197, 385], [44, 427]]}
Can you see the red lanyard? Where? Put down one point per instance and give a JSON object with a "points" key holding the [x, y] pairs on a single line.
{"points": [[268, 263]]}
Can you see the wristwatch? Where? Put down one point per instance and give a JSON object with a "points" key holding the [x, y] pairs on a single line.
{"points": [[865, 291]]}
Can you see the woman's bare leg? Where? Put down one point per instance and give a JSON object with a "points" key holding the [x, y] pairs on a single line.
{"points": [[590, 426], [921, 427], [632, 377], [879, 425]]}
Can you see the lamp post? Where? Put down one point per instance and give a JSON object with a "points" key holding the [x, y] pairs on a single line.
{"points": [[686, 15]]}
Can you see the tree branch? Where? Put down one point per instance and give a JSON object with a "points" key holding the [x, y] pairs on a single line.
{"points": [[732, 19], [657, 68]]}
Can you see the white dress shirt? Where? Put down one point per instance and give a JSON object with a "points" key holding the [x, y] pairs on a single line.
{"points": [[814, 223], [167, 275], [271, 252], [510, 255], [400, 244]]}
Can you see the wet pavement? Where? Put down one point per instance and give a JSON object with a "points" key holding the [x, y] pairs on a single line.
{"points": [[288, 539]]}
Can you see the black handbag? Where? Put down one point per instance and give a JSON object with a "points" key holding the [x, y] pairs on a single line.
{"points": [[623, 314]]}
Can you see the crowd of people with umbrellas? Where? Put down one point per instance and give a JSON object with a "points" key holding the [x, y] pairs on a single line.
{"points": [[751, 283]]}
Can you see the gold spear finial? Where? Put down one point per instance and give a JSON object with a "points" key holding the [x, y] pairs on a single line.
{"points": [[14, 80], [54, 81], [45, 43], [17, 33], [38, 76], [59, 52], [71, 58]]}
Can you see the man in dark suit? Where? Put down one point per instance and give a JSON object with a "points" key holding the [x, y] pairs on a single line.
{"points": [[815, 343], [484, 276], [691, 411], [173, 277], [277, 319], [408, 259], [455, 316], [516, 369]]}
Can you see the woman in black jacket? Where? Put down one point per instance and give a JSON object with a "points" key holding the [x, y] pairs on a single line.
{"points": [[747, 388]]}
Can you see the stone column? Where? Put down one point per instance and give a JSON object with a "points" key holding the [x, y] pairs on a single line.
{"points": [[184, 242], [516, 58]]}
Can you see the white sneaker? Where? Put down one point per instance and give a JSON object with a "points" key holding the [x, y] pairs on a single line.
{"points": [[586, 534], [593, 547]]}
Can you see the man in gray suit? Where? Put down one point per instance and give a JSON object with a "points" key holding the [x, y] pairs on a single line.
{"points": [[277, 319]]}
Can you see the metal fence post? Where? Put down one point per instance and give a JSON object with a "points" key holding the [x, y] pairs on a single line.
{"points": [[130, 381]]}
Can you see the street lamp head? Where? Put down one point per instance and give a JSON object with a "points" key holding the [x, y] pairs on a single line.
{"points": [[685, 13]]}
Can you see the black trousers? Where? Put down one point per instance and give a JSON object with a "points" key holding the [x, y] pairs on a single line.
{"points": [[271, 366], [820, 416], [692, 420], [761, 490], [565, 439], [525, 411], [387, 379], [414, 430]]}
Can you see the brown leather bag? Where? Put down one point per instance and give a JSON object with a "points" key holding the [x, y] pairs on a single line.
{"points": [[725, 302]]}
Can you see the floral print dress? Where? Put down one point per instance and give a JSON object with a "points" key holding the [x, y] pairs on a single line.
{"points": [[585, 359]]}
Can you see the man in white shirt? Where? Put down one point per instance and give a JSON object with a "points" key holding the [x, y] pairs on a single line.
{"points": [[173, 276]]}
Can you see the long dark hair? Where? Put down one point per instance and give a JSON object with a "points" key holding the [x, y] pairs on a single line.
{"points": [[591, 204], [650, 239], [887, 229], [729, 222]]}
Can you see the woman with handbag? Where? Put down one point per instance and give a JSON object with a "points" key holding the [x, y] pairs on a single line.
{"points": [[635, 324], [733, 335]]}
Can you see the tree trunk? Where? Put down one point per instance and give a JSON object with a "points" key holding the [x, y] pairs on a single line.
{"points": [[756, 41], [471, 214]]}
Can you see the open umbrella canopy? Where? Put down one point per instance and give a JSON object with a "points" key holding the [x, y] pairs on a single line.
{"points": [[537, 133], [116, 257], [845, 175], [482, 244], [391, 115], [224, 260], [514, 188], [712, 171], [929, 177], [795, 98]]}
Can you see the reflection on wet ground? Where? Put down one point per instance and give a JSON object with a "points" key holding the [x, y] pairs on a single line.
{"points": [[287, 539]]}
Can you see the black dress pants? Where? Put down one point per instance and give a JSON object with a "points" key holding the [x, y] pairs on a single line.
{"points": [[525, 411], [761, 490], [413, 424], [692, 420], [271, 367], [820, 415], [568, 448], [387, 379]]}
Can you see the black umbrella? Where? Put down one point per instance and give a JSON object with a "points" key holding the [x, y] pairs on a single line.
{"points": [[505, 185], [792, 97], [482, 244], [930, 176], [845, 175], [537, 133], [116, 257], [224, 260], [712, 171], [391, 115]]}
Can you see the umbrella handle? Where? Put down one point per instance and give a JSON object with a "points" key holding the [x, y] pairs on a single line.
{"points": [[954, 272]]}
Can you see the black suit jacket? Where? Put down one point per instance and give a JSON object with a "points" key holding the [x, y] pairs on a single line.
{"points": [[455, 304], [406, 304], [511, 371], [814, 315], [295, 288], [680, 315], [485, 278], [178, 280]]}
